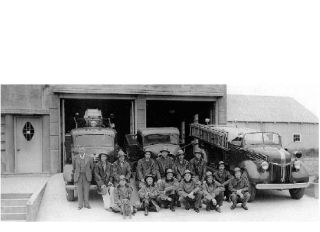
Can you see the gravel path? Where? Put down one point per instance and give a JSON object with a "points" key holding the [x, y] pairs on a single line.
{"points": [[268, 206]]}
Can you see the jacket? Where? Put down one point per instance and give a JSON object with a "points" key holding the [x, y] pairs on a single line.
{"points": [[167, 188], [118, 170], [164, 164], [179, 168], [150, 192], [121, 193], [236, 184], [88, 167], [210, 190], [222, 177], [187, 187], [102, 177], [198, 168], [146, 168]]}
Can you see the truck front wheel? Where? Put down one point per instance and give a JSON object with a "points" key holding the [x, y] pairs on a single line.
{"points": [[296, 193], [70, 195]]}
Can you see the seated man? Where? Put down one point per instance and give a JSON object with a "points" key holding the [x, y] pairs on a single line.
{"points": [[168, 190], [213, 194], [122, 197], [146, 166], [223, 177], [239, 187], [148, 195], [190, 191]]}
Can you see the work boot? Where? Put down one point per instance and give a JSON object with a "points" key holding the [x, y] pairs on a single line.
{"points": [[87, 206], [196, 210], [208, 207], [146, 211], [187, 205], [80, 207], [244, 206], [233, 206], [178, 203], [218, 209]]}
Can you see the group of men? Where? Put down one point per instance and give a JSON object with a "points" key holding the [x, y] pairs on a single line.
{"points": [[164, 182]]}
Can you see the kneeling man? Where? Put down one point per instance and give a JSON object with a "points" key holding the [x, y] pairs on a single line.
{"points": [[239, 187], [148, 195], [190, 192], [168, 188], [213, 194]]}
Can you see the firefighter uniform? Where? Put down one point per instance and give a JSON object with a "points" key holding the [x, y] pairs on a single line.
{"points": [[121, 168], [223, 177], [239, 188], [213, 194], [145, 168], [102, 174], [122, 195], [148, 195], [193, 187], [198, 167], [168, 191], [180, 166]]}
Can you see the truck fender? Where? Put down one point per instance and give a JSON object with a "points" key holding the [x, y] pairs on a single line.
{"points": [[251, 168], [68, 173], [302, 175]]}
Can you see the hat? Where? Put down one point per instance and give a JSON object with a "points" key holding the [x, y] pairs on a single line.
{"points": [[237, 169], [101, 154], [198, 150], [208, 173], [221, 163], [180, 152], [165, 149], [147, 151], [122, 177], [169, 170], [186, 172], [147, 176], [121, 153]]}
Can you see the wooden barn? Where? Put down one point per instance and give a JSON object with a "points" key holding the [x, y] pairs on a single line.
{"points": [[298, 126]]}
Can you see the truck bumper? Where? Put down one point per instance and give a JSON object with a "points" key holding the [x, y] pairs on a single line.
{"points": [[73, 187], [282, 186]]}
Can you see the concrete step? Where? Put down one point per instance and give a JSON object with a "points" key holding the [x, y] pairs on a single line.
{"points": [[15, 195], [13, 216], [14, 202], [13, 209]]}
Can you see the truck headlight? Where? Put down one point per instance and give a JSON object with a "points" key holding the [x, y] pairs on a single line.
{"points": [[297, 165], [264, 165]]}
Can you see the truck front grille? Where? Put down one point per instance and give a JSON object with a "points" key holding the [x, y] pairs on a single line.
{"points": [[280, 174]]}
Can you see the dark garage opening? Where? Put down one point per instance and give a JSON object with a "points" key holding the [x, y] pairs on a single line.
{"points": [[120, 108], [173, 113]]}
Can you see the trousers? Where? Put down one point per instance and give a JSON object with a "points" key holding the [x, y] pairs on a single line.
{"points": [[236, 199], [83, 187]]}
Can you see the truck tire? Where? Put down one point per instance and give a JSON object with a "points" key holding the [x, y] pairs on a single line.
{"points": [[70, 195], [297, 193], [252, 191]]}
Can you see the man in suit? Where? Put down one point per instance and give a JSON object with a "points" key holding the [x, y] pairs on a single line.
{"points": [[82, 167]]}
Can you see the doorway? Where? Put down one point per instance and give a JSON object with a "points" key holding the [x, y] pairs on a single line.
{"points": [[28, 144]]}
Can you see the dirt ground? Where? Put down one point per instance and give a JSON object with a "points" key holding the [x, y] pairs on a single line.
{"points": [[312, 165]]}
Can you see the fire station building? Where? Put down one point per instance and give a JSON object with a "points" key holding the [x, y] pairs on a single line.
{"points": [[36, 119]]}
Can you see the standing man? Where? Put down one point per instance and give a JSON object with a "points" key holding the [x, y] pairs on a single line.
{"points": [[121, 167], [190, 192], [146, 166], [180, 165], [223, 177], [239, 188], [168, 188], [103, 177], [82, 168], [197, 165], [164, 162]]}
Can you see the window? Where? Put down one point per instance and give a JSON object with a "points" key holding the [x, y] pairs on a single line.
{"points": [[28, 131], [296, 138]]}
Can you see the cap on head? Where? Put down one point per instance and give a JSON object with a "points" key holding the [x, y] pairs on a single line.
{"points": [[221, 163], [198, 151], [101, 154], [180, 152], [165, 149], [237, 169], [149, 176], [121, 153], [208, 173], [169, 170], [122, 177], [147, 152], [187, 172]]}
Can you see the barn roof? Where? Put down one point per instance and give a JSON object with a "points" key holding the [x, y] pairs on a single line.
{"points": [[253, 108]]}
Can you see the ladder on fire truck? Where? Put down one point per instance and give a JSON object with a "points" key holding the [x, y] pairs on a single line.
{"points": [[210, 134]]}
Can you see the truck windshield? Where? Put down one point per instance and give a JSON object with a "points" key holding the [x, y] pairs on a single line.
{"points": [[161, 138], [94, 140], [262, 138]]}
